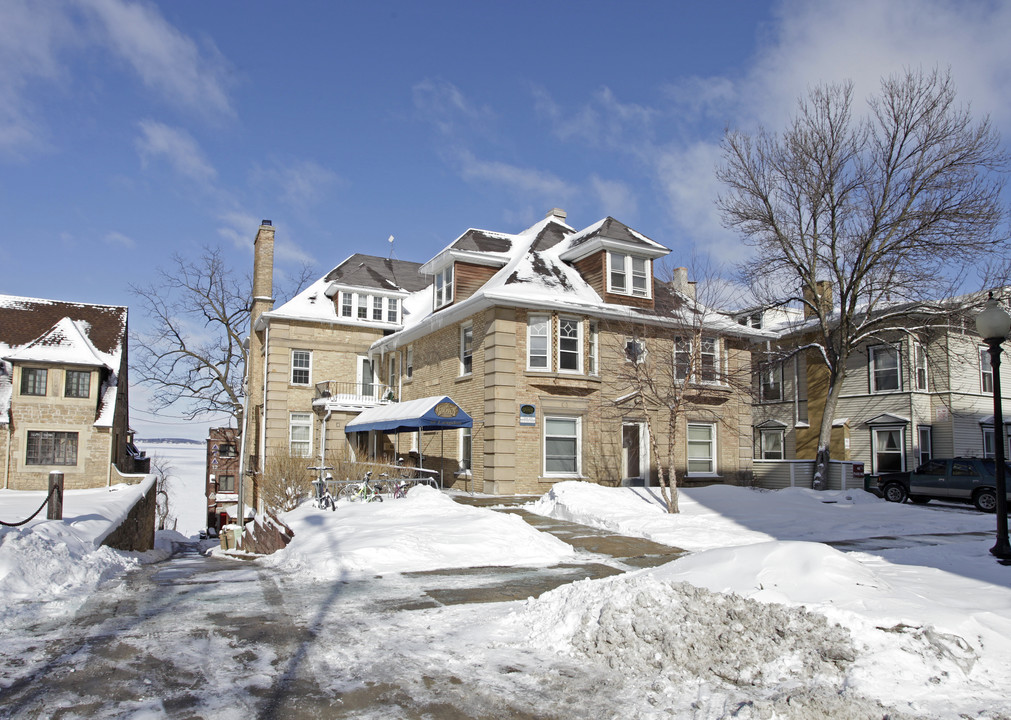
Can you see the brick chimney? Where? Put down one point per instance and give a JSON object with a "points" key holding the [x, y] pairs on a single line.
{"points": [[823, 289], [263, 267]]}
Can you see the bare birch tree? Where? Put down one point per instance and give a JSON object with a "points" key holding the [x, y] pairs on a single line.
{"points": [[849, 216]]}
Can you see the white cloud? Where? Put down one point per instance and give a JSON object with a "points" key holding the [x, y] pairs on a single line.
{"points": [[522, 181], [167, 60], [300, 184], [118, 238], [177, 147], [443, 105], [616, 197]]}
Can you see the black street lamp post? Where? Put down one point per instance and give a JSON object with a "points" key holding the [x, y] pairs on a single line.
{"points": [[993, 324]]}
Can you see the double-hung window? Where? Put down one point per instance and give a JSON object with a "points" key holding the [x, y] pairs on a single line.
{"points": [[301, 367], [392, 310], [770, 385], [444, 287], [985, 371], [570, 345], [709, 360], [363, 306], [772, 444], [701, 449], [884, 369], [920, 366], [226, 483], [466, 349], [682, 358], [539, 342], [592, 360], [561, 446], [33, 381], [377, 307], [627, 274], [77, 384], [300, 434], [347, 304], [51, 448], [466, 447]]}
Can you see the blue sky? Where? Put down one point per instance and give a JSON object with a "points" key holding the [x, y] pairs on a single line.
{"points": [[133, 130]]}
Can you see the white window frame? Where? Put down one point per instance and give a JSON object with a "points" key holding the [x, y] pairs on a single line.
{"points": [[640, 356], [921, 379], [442, 287], [985, 371], [410, 362], [682, 345], [300, 420], [710, 458], [717, 369], [347, 304], [577, 436], [902, 445], [562, 352], [532, 321], [872, 368], [300, 367], [466, 349], [780, 435], [466, 449], [359, 382], [393, 310], [377, 308], [770, 377], [592, 356], [925, 437], [623, 265], [362, 306]]}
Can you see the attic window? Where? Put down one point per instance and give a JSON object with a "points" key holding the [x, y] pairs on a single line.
{"points": [[443, 287], [628, 274]]}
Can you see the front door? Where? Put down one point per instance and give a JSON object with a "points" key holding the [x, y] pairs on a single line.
{"points": [[634, 468]]}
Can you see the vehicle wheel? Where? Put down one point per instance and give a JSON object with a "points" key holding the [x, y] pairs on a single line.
{"points": [[985, 501], [893, 492], [919, 499]]}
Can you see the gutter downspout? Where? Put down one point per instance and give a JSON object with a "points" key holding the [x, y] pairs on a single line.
{"points": [[263, 423], [7, 456]]}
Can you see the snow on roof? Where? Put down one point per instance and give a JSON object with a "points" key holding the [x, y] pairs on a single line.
{"points": [[66, 343]]}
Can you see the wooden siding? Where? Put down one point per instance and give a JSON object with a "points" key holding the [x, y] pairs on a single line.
{"points": [[469, 278]]}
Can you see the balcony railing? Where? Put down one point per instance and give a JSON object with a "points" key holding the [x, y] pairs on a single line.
{"points": [[354, 393]]}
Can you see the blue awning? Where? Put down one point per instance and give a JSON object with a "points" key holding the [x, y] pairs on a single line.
{"points": [[431, 413]]}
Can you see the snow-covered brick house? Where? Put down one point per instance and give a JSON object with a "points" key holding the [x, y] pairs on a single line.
{"points": [[529, 333], [64, 395]]}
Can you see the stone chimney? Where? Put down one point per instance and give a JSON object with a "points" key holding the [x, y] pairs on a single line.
{"points": [[823, 290], [557, 213], [680, 283]]}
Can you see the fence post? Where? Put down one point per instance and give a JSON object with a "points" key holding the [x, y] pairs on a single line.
{"points": [[55, 510]]}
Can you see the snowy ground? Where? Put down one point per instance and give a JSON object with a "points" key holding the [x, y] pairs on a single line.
{"points": [[761, 620]]}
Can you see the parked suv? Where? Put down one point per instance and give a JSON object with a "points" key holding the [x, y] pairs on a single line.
{"points": [[959, 479]]}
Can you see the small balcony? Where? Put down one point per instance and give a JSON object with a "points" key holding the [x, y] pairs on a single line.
{"points": [[334, 395]]}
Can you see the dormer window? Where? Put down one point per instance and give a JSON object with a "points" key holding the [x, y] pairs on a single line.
{"points": [[627, 274], [444, 287]]}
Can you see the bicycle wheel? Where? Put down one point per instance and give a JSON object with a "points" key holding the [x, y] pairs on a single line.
{"points": [[349, 492]]}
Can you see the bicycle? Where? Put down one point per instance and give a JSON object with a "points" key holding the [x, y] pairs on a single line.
{"points": [[364, 491], [323, 498]]}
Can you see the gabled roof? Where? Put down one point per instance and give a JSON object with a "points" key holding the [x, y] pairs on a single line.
{"points": [[612, 235], [397, 277], [24, 320], [66, 343], [369, 271]]}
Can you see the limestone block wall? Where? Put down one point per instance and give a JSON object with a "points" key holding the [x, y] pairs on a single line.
{"points": [[53, 412], [136, 532]]}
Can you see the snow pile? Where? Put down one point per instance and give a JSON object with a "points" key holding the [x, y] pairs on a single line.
{"points": [[721, 516], [677, 632], [60, 562], [426, 530]]}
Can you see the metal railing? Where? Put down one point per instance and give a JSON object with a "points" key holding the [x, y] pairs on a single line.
{"points": [[355, 392]]}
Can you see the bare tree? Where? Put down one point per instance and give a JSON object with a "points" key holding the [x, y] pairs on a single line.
{"points": [[679, 372], [193, 355], [162, 469], [850, 216]]}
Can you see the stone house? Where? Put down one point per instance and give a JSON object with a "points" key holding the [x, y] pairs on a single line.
{"points": [[531, 334], [64, 395], [909, 394]]}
